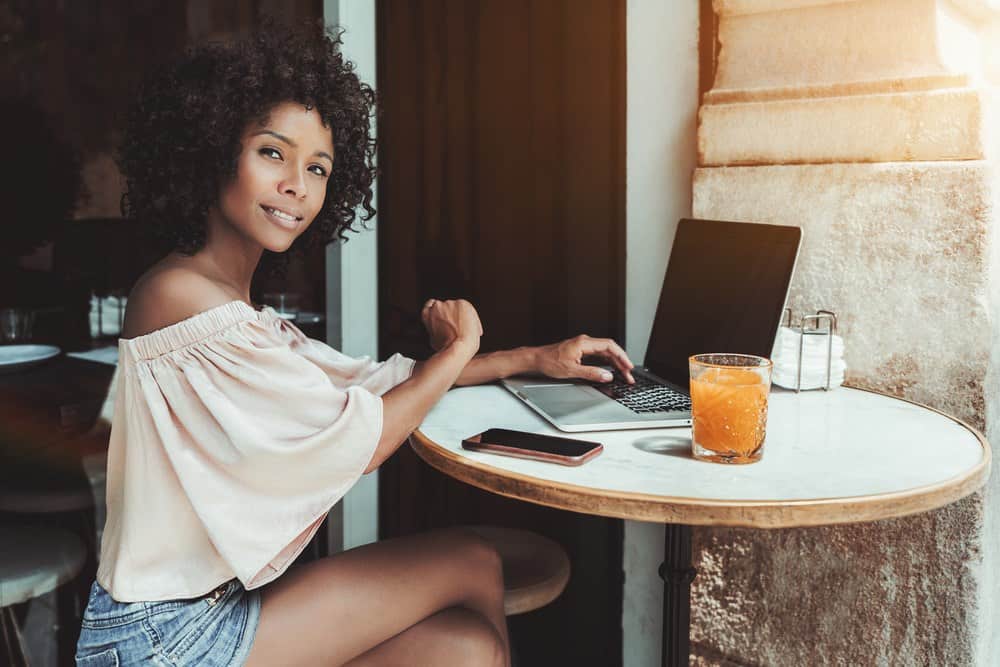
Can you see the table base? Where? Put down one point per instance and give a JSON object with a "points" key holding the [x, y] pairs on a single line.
{"points": [[677, 575]]}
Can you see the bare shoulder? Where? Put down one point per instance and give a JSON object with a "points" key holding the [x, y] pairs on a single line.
{"points": [[167, 294]]}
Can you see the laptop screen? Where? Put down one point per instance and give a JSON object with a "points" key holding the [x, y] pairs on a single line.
{"points": [[724, 291]]}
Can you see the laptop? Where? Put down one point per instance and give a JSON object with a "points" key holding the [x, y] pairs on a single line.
{"points": [[724, 291]]}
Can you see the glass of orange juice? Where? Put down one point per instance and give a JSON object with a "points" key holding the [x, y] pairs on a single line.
{"points": [[729, 406]]}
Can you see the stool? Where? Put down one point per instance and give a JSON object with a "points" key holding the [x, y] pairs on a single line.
{"points": [[53, 487], [57, 498], [535, 568], [34, 561]]}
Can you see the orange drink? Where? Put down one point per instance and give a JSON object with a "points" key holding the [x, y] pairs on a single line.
{"points": [[729, 406]]}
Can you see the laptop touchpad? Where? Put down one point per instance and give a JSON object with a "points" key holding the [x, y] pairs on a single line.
{"points": [[565, 400]]}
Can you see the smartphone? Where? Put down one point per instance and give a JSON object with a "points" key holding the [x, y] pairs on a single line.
{"points": [[549, 448]]}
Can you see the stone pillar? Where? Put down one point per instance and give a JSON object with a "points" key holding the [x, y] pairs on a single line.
{"points": [[868, 123]]}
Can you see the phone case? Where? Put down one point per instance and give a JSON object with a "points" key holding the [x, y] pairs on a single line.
{"points": [[475, 443]]}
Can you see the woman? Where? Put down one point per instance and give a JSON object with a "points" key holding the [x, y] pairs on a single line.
{"points": [[233, 433]]}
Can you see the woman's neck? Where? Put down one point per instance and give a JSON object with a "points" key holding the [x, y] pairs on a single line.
{"points": [[229, 257]]}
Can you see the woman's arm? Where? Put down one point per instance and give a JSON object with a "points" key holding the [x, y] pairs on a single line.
{"points": [[405, 405], [559, 360], [454, 330], [490, 366]]}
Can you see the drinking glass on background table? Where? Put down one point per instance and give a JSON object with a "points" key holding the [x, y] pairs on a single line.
{"points": [[107, 313], [16, 325], [729, 406]]}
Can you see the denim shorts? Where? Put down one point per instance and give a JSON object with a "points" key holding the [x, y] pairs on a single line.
{"points": [[215, 630]]}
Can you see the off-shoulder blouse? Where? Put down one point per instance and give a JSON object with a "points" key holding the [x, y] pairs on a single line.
{"points": [[232, 437]]}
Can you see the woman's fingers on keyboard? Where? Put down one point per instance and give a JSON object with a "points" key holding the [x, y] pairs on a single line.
{"points": [[610, 350]]}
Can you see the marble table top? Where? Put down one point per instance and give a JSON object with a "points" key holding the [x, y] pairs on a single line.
{"points": [[841, 456]]}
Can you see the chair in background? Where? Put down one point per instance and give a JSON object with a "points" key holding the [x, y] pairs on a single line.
{"points": [[35, 560], [53, 512], [43, 485]]}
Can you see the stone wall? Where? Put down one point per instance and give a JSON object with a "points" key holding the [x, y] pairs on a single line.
{"points": [[869, 124]]}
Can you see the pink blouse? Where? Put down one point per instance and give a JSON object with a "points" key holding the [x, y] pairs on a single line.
{"points": [[233, 435]]}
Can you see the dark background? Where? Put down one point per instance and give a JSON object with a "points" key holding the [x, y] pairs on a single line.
{"points": [[76, 63], [503, 182]]}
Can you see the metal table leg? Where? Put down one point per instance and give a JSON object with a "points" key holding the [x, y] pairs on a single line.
{"points": [[677, 575]]}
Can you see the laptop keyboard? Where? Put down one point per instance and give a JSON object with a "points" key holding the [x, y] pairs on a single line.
{"points": [[644, 396]]}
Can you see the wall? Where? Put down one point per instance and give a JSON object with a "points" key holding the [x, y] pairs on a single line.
{"points": [[867, 123], [662, 70], [352, 282]]}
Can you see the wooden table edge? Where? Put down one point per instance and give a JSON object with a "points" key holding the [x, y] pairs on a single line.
{"points": [[699, 512]]}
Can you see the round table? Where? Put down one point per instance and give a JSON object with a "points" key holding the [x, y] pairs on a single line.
{"points": [[842, 456]]}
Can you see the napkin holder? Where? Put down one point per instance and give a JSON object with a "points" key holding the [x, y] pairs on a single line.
{"points": [[816, 329]]}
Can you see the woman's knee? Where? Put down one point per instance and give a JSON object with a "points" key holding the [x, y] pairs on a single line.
{"points": [[479, 557], [472, 639]]}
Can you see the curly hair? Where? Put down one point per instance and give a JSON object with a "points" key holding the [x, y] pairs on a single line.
{"points": [[182, 135]]}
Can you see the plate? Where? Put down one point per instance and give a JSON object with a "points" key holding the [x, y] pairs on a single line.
{"points": [[18, 357], [300, 316]]}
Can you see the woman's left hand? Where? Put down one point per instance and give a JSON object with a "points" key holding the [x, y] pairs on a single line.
{"points": [[563, 360]]}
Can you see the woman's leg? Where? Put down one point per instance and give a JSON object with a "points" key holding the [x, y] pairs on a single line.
{"points": [[337, 609], [455, 636]]}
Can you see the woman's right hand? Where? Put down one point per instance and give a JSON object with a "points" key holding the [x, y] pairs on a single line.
{"points": [[450, 321]]}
